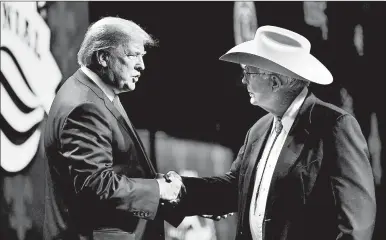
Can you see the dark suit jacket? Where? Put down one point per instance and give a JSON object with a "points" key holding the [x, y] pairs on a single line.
{"points": [[322, 186], [102, 180]]}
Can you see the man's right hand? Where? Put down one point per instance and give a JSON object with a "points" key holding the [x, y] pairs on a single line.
{"points": [[170, 187]]}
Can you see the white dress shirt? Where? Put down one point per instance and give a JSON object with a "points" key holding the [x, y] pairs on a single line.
{"points": [[266, 167], [107, 90]]}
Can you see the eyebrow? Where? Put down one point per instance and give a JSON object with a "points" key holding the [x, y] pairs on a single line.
{"points": [[261, 71], [135, 52], [247, 69]]}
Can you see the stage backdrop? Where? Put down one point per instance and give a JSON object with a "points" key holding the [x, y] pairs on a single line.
{"points": [[36, 52]]}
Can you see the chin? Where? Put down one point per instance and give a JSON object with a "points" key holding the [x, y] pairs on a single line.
{"points": [[127, 87], [253, 101], [131, 87]]}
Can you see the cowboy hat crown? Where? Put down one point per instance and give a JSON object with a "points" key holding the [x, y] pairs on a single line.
{"points": [[281, 51]]}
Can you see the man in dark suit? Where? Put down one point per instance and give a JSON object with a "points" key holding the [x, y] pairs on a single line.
{"points": [[103, 183], [303, 172]]}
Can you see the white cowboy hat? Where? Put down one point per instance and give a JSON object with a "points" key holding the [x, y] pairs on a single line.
{"points": [[281, 51]]}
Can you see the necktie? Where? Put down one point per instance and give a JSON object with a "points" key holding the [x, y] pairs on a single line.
{"points": [[118, 105], [141, 222], [277, 130], [278, 126]]}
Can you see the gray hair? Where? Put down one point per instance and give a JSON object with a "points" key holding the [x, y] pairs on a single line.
{"points": [[110, 32], [294, 84]]}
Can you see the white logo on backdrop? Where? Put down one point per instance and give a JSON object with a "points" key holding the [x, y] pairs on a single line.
{"points": [[29, 77]]}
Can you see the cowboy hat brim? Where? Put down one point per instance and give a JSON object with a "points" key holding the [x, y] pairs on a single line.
{"points": [[305, 67]]}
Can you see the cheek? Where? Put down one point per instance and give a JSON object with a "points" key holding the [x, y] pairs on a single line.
{"points": [[256, 87], [260, 86], [120, 71], [126, 68], [121, 67]]}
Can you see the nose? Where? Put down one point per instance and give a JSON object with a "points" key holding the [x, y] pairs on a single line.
{"points": [[141, 64], [244, 80]]}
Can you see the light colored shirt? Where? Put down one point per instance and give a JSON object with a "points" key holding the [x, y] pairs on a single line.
{"points": [[107, 90], [267, 164]]}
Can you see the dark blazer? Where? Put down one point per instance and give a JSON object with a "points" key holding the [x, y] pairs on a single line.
{"points": [[322, 186], [102, 180]]}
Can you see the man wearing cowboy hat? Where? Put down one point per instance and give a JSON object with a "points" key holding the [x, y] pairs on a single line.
{"points": [[303, 171]]}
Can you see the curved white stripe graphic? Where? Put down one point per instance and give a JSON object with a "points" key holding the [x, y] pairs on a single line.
{"points": [[15, 80], [20, 121], [25, 42], [14, 158]]}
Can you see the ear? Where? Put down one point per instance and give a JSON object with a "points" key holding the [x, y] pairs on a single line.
{"points": [[276, 83], [102, 57]]}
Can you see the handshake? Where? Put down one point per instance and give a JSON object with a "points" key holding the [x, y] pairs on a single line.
{"points": [[171, 187]]}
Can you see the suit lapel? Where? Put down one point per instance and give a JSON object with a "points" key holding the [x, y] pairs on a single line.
{"points": [[293, 146], [260, 135], [290, 152], [256, 149], [295, 140], [130, 129], [82, 77]]}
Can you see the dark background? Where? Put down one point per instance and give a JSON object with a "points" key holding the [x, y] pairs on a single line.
{"points": [[187, 92]]}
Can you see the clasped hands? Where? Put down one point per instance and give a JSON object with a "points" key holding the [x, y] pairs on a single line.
{"points": [[171, 187]]}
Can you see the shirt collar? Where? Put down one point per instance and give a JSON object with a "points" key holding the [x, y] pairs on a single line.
{"points": [[292, 111], [108, 91]]}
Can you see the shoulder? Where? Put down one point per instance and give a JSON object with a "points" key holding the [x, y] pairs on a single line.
{"points": [[328, 118], [333, 111], [261, 122], [76, 100], [75, 95]]}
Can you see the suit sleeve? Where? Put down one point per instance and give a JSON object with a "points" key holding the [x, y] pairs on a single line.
{"points": [[352, 182], [86, 139], [216, 195]]}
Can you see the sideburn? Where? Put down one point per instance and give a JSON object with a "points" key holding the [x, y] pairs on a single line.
{"points": [[108, 73], [102, 72]]}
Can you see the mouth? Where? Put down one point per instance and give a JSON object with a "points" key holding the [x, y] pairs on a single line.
{"points": [[135, 79]]}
